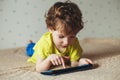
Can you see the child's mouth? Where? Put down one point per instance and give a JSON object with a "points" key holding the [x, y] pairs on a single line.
{"points": [[64, 46]]}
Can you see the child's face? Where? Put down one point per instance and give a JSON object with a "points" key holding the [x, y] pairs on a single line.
{"points": [[62, 40]]}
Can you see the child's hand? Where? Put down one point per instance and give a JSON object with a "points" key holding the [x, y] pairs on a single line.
{"points": [[56, 59], [83, 61]]}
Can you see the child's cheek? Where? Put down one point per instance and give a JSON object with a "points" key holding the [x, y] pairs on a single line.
{"points": [[60, 41]]}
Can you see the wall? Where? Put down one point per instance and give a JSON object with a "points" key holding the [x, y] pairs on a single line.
{"points": [[22, 20]]}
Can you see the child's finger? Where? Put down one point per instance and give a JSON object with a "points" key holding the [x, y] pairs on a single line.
{"points": [[89, 61], [56, 62], [66, 57], [63, 63], [52, 61], [59, 61]]}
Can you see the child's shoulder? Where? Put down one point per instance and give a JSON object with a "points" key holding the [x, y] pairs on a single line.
{"points": [[76, 41], [46, 35], [46, 39]]}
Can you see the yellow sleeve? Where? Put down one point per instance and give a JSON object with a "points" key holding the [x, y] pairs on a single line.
{"points": [[75, 51], [42, 48], [39, 50]]}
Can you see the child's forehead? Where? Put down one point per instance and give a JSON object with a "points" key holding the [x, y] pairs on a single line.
{"points": [[64, 28], [65, 34]]}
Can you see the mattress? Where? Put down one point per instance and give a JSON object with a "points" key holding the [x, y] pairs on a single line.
{"points": [[105, 53]]}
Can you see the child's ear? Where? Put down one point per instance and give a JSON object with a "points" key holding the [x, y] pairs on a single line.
{"points": [[50, 30]]}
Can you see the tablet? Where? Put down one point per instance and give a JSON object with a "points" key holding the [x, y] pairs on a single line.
{"points": [[68, 70]]}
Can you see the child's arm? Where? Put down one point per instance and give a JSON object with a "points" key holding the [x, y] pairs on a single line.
{"points": [[74, 63], [82, 61], [45, 64], [42, 65]]}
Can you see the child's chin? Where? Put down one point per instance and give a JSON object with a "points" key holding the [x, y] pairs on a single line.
{"points": [[64, 46]]}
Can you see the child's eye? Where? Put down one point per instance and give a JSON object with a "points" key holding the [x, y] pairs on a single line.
{"points": [[61, 36], [72, 36]]}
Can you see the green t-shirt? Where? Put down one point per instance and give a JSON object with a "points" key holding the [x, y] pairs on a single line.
{"points": [[44, 47]]}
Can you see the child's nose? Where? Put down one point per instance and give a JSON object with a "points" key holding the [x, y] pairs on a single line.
{"points": [[66, 42]]}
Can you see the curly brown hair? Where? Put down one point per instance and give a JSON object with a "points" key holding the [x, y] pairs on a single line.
{"points": [[65, 17]]}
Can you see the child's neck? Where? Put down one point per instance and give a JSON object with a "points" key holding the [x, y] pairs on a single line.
{"points": [[60, 49]]}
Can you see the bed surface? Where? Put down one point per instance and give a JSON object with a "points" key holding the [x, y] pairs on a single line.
{"points": [[104, 52]]}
